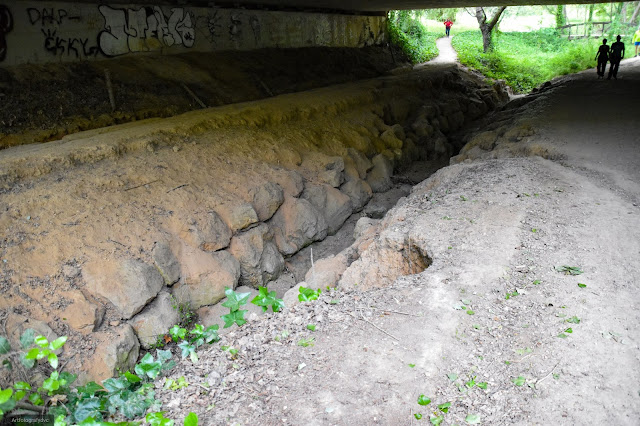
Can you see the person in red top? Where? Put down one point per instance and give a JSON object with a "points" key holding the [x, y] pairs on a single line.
{"points": [[447, 26]]}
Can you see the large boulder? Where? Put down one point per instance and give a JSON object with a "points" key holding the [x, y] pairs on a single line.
{"points": [[361, 162], [379, 178], [259, 258], [128, 285], [296, 224], [156, 319], [334, 205], [207, 232], [358, 191], [80, 314], [117, 350], [166, 262], [205, 276], [327, 272], [238, 215], [266, 199], [390, 139]]}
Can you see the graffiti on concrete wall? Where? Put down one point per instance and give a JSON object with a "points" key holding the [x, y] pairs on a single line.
{"points": [[58, 40], [49, 16], [6, 25], [144, 29]]}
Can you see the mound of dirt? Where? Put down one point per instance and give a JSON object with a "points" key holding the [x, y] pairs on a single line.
{"points": [[45, 102]]}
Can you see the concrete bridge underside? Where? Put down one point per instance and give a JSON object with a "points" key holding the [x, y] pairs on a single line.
{"points": [[357, 6]]}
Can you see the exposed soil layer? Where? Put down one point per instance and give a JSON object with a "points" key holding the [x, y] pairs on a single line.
{"points": [[45, 102], [496, 326]]}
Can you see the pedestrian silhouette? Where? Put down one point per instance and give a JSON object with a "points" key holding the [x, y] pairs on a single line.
{"points": [[602, 57], [616, 55]]}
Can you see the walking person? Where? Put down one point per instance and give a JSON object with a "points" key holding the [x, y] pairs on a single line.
{"points": [[602, 57], [636, 40], [616, 55], [447, 26]]}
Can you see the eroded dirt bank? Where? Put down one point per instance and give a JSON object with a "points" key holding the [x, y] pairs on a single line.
{"points": [[493, 308], [46, 102], [106, 232]]}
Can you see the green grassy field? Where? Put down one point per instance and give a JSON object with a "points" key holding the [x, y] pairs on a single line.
{"points": [[525, 60]]}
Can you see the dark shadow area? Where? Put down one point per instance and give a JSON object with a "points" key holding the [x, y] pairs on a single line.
{"points": [[45, 102]]}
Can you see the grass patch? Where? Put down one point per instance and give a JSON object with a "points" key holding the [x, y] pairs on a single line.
{"points": [[525, 60]]}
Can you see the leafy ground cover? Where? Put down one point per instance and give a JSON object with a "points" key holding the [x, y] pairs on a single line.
{"points": [[525, 60], [408, 33]]}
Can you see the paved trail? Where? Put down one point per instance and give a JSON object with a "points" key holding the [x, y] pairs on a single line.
{"points": [[447, 53]]}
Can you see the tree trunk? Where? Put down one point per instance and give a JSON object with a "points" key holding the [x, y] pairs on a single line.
{"points": [[486, 27], [635, 14]]}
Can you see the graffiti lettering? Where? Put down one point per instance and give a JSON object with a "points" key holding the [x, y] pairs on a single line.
{"points": [[59, 45], [144, 29], [6, 25], [49, 16]]}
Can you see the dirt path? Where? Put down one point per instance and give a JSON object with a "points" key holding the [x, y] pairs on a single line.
{"points": [[446, 52], [493, 326]]}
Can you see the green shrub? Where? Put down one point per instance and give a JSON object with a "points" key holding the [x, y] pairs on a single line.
{"points": [[412, 37], [525, 60]]}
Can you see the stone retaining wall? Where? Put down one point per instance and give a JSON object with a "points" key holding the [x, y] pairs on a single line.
{"points": [[221, 198]]}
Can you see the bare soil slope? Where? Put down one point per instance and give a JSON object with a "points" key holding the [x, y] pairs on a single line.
{"points": [[496, 308]]}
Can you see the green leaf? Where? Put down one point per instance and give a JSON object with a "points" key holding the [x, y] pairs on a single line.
{"points": [[574, 320], [58, 343], [163, 356], [131, 378], [412, 365], [482, 385], [191, 419], [235, 300], [90, 407], [569, 330], [266, 298], [311, 327], [452, 376], [176, 332], [33, 354], [436, 420], [158, 419], [41, 341], [519, 381], [562, 336], [60, 420], [211, 334], [444, 407], [569, 270], [90, 389], [423, 400], [26, 362], [36, 399], [5, 395], [116, 384], [418, 416], [308, 294], [235, 317], [5, 346], [582, 285], [472, 419], [53, 360], [470, 312], [536, 282]]}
